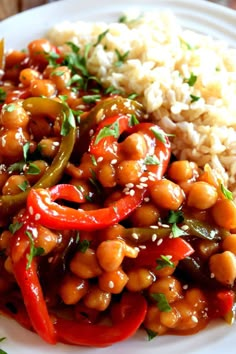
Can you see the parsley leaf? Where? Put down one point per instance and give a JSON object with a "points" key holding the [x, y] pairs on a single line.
{"points": [[175, 217], [15, 227], [26, 147], [3, 95], [34, 251], [17, 166], [151, 334], [33, 169], [24, 185], [111, 130], [68, 122], [194, 98], [91, 98], [162, 302], [151, 160], [191, 80], [159, 135], [83, 245], [227, 193], [9, 107], [100, 37], [164, 261], [121, 57], [133, 120]]}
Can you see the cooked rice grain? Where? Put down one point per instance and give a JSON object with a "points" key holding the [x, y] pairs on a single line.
{"points": [[185, 79]]}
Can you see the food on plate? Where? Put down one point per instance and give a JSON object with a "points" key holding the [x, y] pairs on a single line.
{"points": [[106, 228]]}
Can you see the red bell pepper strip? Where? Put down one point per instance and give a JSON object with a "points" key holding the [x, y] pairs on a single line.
{"points": [[177, 248], [99, 335], [221, 303], [41, 205], [28, 281]]}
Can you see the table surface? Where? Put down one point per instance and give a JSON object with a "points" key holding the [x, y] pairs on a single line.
{"points": [[11, 7]]}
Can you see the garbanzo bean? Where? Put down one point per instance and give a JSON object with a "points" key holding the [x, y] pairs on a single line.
{"points": [[28, 75], [202, 195], [5, 238], [169, 286], [14, 116], [97, 299], [106, 175], [187, 316], [15, 184], [72, 289], [139, 279], [39, 50], [134, 147], [49, 147], [113, 282], [128, 171], [85, 264], [40, 127], [60, 76], [110, 254], [12, 142], [196, 299], [167, 194], [180, 171], [39, 168], [43, 87], [145, 215], [229, 243], [223, 267], [152, 320], [46, 238], [224, 213]]}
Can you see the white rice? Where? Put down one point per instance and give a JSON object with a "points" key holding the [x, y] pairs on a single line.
{"points": [[162, 56]]}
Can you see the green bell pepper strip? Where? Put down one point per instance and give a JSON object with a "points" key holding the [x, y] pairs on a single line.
{"points": [[41, 206], [26, 275], [134, 308], [10, 204]]}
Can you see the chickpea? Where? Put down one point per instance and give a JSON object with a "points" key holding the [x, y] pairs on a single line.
{"points": [[14, 185], [196, 299], [166, 194], [85, 264], [111, 233], [5, 239], [8, 265], [113, 282], [97, 299], [60, 76], [145, 215], [14, 58], [165, 271], [229, 243], [49, 147], [202, 195], [3, 178], [106, 175], [43, 87], [169, 286], [27, 75], [72, 289], [39, 50], [69, 94], [152, 320], [134, 147], [46, 239], [180, 171], [12, 142], [110, 254], [14, 116], [223, 267], [224, 213], [40, 127], [35, 173], [169, 319], [128, 171], [187, 316], [139, 279]]}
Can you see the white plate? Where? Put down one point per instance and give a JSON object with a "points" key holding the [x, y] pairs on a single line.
{"points": [[18, 30]]}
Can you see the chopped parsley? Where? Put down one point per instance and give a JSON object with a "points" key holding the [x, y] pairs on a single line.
{"points": [[26, 148], [120, 57], [175, 217], [151, 334], [3, 95], [161, 301], [164, 261], [100, 37], [68, 122], [194, 98], [151, 160], [34, 251], [227, 193], [191, 80], [91, 98], [83, 245], [133, 120], [111, 130], [15, 227], [9, 107], [33, 169], [24, 185], [159, 135]]}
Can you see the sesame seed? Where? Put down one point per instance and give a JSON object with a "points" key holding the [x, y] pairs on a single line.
{"points": [[100, 159], [132, 192], [144, 185], [212, 275], [142, 247], [151, 178], [111, 284], [194, 319], [91, 132], [185, 286], [31, 210], [139, 186], [153, 227], [143, 179], [147, 199], [37, 217], [114, 161], [159, 241], [154, 237], [135, 236], [129, 185], [185, 227]]}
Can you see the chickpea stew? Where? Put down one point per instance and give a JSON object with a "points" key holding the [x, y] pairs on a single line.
{"points": [[99, 221]]}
